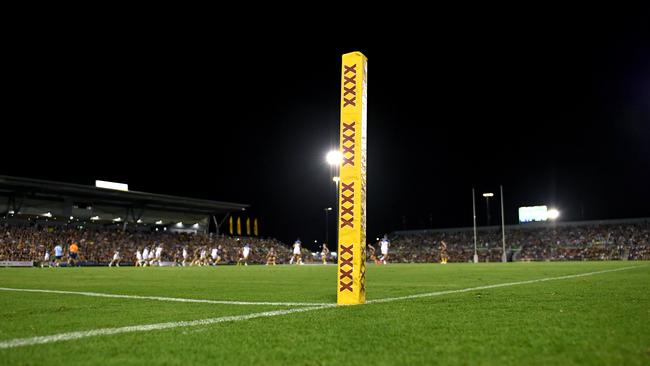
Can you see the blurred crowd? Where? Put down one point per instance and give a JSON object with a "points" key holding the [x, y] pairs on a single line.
{"points": [[30, 243], [584, 242]]}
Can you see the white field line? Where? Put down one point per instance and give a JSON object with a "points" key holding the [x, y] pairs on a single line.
{"points": [[439, 293], [19, 342], [160, 298]]}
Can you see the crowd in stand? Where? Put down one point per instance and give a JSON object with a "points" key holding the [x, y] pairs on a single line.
{"points": [[629, 241], [30, 243], [585, 242]]}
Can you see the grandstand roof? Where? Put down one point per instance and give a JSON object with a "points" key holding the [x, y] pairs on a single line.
{"points": [[33, 196]]}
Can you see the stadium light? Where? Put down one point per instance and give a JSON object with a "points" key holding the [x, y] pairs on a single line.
{"points": [[47, 214], [553, 214], [11, 212], [196, 226], [111, 185], [334, 157], [488, 194], [179, 224], [159, 222], [71, 218], [94, 218], [118, 219], [139, 221]]}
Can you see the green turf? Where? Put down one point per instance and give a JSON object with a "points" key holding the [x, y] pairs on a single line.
{"points": [[602, 319]]}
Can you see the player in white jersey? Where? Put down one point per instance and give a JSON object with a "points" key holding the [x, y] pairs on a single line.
{"points": [[158, 255], [297, 255], [145, 256], [138, 258], [384, 244], [151, 256], [215, 255], [116, 259], [185, 256], [245, 253]]}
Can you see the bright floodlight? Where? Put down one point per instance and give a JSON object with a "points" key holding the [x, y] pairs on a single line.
{"points": [[488, 194], [111, 185], [196, 226], [334, 157], [47, 214], [94, 218], [117, 219], [179, 224], [328, 209], [139, 221], [553, 214], [159, 222]]}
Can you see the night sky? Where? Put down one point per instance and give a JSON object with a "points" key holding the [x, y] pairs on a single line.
{"points": [[556, 110]]}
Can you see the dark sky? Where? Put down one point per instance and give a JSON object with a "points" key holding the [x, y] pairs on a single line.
{"points": [[556, 109]]}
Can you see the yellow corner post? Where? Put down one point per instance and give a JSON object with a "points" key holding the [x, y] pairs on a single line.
{"points": [[351, 275]]}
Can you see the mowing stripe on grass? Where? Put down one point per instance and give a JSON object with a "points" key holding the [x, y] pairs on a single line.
{"points": [[160, 298], [19, 342], [439, 293]]}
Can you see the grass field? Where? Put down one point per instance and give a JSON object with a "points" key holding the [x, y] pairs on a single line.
{"points": [[601, 318]]}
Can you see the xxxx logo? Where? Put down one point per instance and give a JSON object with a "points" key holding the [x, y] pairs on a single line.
{"points": [[347, 205], [347, 135], [345, 268], [349, 85]]}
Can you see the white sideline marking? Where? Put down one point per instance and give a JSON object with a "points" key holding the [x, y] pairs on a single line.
{"points": [[439, 293], [159, 298], [19, 342]]}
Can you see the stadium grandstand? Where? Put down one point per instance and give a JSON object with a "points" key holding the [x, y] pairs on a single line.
{"points": [[37, 215], [623, 239]]}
